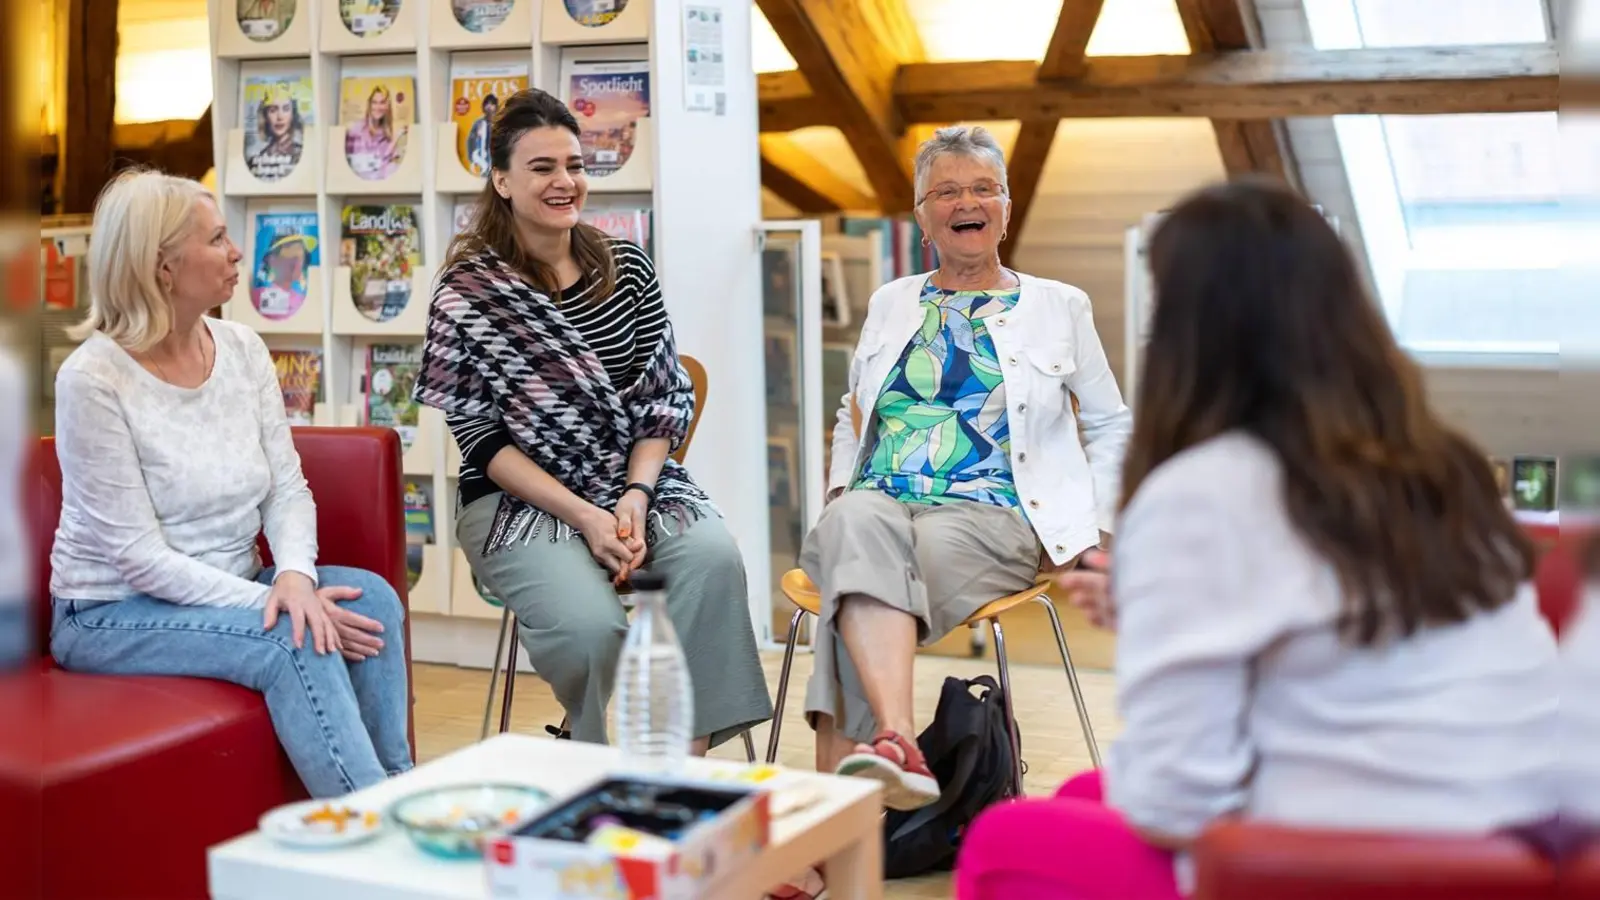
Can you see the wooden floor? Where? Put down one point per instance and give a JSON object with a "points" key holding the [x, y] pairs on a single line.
{"points": [[450, 704]]}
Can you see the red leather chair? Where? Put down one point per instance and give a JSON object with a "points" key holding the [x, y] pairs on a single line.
{"points": [[134, 777], [1238, 860]]}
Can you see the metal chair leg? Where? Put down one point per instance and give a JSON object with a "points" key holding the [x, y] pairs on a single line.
{"points": [[1072, 679], [749, 746], [783, 686], [1011, 712], [494, 671], [511, 683]]}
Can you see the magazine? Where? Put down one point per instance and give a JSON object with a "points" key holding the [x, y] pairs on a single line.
{"points": [[285, 252], [419, 526], [263, 20], [391, 374], [300, 379], [594, 13], [481, 16], [608, 98], [479, 84], [628, 224], [368, 18], [381, 246], [274, 109], [377, 106]]}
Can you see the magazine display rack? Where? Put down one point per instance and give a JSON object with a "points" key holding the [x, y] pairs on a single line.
{"points": [[688, 189]]}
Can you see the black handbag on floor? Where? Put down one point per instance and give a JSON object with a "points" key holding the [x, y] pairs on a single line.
{"points": [[968, 749]]}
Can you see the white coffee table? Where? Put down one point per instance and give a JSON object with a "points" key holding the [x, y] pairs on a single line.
{"points": [[843, 829]]}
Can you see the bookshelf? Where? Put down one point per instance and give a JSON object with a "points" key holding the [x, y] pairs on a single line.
{"points": [[693, 168]]}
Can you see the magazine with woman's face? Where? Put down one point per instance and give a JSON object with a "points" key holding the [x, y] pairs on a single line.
{"points": [[377, 111], [275, 110]]}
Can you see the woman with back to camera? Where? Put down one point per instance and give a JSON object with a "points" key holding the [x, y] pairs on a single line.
{"points": [[550, 351], [175, 454], [1323, 609]]}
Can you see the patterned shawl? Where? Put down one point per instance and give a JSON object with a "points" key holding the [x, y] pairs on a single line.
{"points": [[499, 348]]}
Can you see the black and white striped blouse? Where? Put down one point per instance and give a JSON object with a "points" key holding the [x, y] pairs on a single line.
{"points": [[622, 330]]}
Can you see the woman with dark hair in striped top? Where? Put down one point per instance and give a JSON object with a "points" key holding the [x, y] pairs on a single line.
{"points": [[550, 351]]}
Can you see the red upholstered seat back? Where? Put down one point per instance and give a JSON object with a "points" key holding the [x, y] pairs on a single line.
{"points": [[355, 478], [1240, 860]]}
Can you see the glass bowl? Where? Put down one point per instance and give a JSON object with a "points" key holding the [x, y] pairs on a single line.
{"points": [[456, 822]]}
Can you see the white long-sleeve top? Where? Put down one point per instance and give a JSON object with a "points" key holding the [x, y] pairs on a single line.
{"points": [[1238, 695], [1067, 466], [164, 488]]}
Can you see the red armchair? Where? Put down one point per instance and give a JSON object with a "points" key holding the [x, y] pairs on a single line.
{"points": [[137, 776], [1239, 860]]}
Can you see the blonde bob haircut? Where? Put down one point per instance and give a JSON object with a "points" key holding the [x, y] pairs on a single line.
{"points": [[140, 219]]}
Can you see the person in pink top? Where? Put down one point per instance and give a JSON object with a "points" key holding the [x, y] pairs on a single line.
{"points": [[1324, 612]]}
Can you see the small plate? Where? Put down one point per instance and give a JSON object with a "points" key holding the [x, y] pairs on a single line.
{"points": [[319, 824]]}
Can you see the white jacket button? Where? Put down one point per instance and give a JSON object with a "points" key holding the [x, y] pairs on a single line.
{"points": [[1033, 503], [1022, 457], [1012, 360]]}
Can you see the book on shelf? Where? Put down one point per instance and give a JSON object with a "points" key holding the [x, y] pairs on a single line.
{"points": [[264, 20], [368, 18], [482, 16], [285, 250], [300, 380], [60, 276], [274, 109], [382, 247], [391, 374], [608, 97], [479, 84], [377, 106]]}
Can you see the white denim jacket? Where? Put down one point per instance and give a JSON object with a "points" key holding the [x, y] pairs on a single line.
{"points": [[1049, 352]]}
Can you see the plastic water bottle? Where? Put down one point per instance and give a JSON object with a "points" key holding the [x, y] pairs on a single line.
{"points": [[653, 702]]}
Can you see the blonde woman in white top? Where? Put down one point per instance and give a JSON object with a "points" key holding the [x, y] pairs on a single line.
{"points": [[175, 453], [1324, 612]]}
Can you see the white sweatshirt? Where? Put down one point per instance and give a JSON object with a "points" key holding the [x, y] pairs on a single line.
{"points": [[164, 488], [1239, 696]]}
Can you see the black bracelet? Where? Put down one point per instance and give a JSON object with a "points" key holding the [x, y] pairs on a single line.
{"points": [[648, 491]]}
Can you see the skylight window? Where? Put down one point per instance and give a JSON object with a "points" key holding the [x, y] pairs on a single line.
{"points": [[1466, 219]]}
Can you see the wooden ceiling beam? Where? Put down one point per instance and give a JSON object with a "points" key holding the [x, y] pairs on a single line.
{"points": [[1064, 58], [1246, 84], [849, 52], [1260, 146], [86, 151], [805, 182]]}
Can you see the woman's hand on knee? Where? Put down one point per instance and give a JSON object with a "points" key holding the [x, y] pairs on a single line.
{"points": [[292, 594], [358, 634]]}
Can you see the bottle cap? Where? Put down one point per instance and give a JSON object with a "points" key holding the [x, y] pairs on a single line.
{"points": [[644, 580]]}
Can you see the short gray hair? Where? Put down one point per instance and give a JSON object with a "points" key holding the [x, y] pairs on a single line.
{"points": [[965, 140]]}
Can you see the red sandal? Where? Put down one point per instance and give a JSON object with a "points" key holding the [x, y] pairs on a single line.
{"points": [[898, 763]]}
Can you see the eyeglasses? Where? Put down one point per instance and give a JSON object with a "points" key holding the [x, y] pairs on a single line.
{"points": [[950, 192]]}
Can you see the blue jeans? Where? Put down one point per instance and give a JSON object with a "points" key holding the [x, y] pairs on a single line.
{"points": [[342, 723]]}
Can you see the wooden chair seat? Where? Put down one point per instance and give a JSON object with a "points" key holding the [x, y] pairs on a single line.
{"points": [[802, 593]]}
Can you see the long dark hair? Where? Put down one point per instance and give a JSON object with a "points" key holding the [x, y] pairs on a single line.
{"points": [[1262, 324], [493, 225]]}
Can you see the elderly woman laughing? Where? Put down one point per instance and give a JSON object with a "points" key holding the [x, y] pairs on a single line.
{"points": [[966, 464]]}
